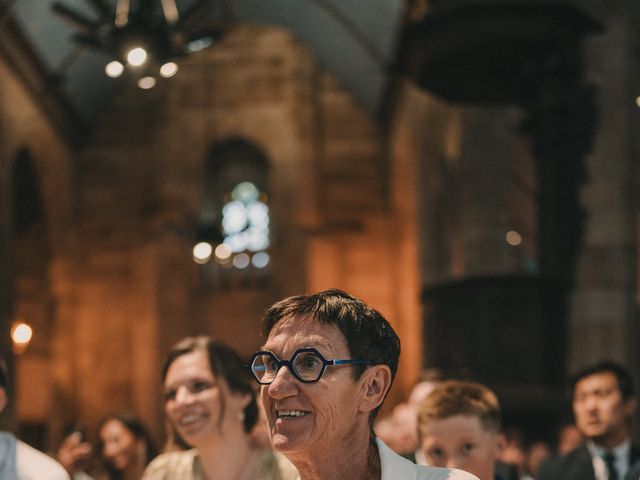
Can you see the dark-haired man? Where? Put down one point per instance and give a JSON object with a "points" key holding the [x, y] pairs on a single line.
{"points": [[603, 404], [18, 460]]}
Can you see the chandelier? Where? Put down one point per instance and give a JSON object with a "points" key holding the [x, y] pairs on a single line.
{"points": [[143, 38]]}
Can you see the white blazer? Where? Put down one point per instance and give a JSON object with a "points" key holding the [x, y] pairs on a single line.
{"points": [[395, 467]]}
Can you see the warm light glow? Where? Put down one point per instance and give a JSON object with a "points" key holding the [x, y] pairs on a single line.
{"points": [[114, 69], [241, 261], [223, 252], [513, 238], [260, 260], [638, 101], [202, 252], [21, 334], [137, 56], [146, 83], [169, 69]]}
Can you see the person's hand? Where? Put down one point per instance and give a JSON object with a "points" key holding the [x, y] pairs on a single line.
{"points": [[73, 453]]}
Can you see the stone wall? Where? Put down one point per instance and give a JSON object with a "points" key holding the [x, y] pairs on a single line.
{"points": [[31, 262], [140, 180]]}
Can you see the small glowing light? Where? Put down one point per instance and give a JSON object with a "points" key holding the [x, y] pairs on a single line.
{"points": [[146, 83], [260, 260], [638, 101], [513, 238], [223, 252], [202, 252], [21, 334], [234, 217], [169, 69], [114, 69], [245, 192], [137, 56], [241, 261], [199, 44]]}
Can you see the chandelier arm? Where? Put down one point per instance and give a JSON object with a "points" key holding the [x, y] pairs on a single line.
{"points": [[121, 18], [170, 10]]}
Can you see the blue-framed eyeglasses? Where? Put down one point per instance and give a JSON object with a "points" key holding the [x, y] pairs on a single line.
{"points": [[306, 364]]}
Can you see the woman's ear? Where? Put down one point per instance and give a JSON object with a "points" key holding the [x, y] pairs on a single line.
{"points": [[243, 398], [375, 384]]}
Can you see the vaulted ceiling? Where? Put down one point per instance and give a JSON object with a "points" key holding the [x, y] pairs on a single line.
{"points": [[354, 39]]}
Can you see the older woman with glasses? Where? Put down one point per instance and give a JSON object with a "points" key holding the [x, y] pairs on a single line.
{"points": [[211, 406], [341, 357]]}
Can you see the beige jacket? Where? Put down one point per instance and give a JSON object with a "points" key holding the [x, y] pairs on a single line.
{"points": [[185, 465]]}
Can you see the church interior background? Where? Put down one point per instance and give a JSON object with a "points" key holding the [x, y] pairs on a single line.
{"points": [[468, 167]]}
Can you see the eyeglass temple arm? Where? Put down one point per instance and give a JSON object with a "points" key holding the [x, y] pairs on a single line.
{"points": [[350, 362]]}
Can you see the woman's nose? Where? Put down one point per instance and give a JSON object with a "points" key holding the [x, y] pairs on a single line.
{"points": [[284, 384], [183, 395], [110, 450]]}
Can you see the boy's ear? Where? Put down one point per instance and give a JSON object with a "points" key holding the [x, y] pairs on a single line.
{"points": [[376, 382]]}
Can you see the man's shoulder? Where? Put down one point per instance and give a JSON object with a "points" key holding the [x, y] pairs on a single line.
{"points": [[634, 473], [32, 464], [563, 465]]}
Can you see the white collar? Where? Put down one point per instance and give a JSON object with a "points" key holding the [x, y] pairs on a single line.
{"points": [[621, 454], [392, 465], [622, 450]]}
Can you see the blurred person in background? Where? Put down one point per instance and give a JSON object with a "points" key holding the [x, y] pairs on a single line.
{"points": [[74, 452], [124, 447], [537, 452], [17, 459], [210, 403], [569, 438], [514, 450], [399, 430], [603, 404]]}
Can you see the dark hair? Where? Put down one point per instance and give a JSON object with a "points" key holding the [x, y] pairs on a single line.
{"points": [[452, 398], [622, 374], [137, 429], [368, 334], [225, 363]]}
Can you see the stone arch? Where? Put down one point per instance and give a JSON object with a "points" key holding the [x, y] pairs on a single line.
{"points": [[228, 163]]}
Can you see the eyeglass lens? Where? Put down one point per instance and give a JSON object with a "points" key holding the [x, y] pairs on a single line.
{"points": [[307, 366]]}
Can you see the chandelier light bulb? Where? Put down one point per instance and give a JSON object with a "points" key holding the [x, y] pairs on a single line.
{"points": [[137, 56], [202, 252], [146, 83], [114, 69], [169, 69]]}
